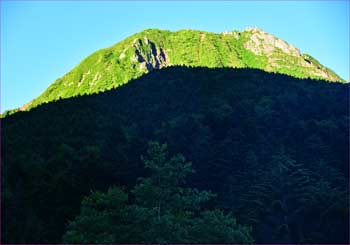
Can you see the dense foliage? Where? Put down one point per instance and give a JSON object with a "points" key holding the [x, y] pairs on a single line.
{"points": [[274, 148], [153, 49], [163, 210]]}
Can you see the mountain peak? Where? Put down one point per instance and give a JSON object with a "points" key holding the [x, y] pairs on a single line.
{"points": [[154, 49], [253, 29], [263, 43]]}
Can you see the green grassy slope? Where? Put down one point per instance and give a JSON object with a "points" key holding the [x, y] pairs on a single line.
{"points": [[153, 49]]}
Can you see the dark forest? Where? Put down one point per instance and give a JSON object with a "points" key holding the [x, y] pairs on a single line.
{"points": [[256, 157]]}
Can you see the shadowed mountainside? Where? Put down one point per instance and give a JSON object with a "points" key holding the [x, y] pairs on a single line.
{"points": [[274, 148]]}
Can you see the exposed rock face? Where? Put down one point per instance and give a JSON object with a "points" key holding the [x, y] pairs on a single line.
{"points": [[148, 55], [25, 106], [235, 34], [201, 36], [263, 43], [122, 56]]}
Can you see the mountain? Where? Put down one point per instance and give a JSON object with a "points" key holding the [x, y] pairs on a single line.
{"points": [[154, 49], [276, 155]]}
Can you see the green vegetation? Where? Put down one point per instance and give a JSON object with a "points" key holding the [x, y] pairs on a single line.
{"points": [[163, 211], [276, 156], [153, 49]]}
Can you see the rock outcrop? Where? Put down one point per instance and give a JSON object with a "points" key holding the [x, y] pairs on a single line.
{"points": [[148, 55], [263, 43]]}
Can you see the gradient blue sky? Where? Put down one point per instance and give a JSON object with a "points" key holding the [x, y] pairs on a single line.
{"points": [[42, 40]]}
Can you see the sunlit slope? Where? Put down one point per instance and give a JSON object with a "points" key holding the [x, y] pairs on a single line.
{"points": [[153, 49]]}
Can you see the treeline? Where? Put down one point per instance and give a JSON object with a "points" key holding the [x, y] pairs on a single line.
{"points": [[274, 149]]}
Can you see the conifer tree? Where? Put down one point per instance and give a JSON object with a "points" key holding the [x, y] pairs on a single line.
{"points": [[163, 211]]}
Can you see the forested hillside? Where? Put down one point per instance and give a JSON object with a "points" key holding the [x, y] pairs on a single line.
{"points": [[274, 149]]}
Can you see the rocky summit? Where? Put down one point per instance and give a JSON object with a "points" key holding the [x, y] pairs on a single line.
{"points": [[154, 49]]}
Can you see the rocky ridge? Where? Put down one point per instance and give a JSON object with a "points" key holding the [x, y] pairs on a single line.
{"points": [[263, 43]]}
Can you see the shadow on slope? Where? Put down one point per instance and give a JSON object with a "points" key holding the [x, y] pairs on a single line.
{"points": [[237, 126]]}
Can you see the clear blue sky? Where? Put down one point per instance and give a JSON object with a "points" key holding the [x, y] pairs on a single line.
{"points": [[42, 40]]}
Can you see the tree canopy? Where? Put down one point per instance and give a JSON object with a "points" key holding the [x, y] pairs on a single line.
{"points": [[160, 210], [242, 130]]}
